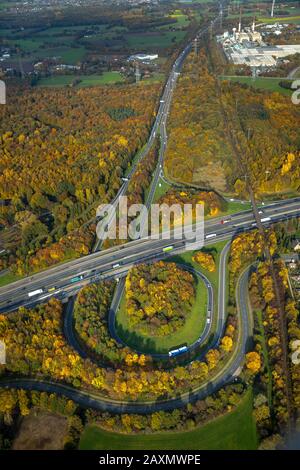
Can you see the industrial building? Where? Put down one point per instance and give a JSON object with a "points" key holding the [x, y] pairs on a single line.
{"points": [[144, 58], [247, 47]]}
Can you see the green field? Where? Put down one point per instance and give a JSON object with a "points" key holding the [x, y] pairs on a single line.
{"points": [[233, 431], [156, 77], [182, 21], [280, 19], [69, 55], [7, 278], [215, 250], [43, 47], [161, 190], [189, 333], [154, 39], [5, 5], [236, 206], [245, 14], [86, 80], [264, 83], [27, 45]]}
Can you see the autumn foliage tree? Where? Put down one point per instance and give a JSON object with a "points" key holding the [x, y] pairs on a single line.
{"points": [[159, 297]]}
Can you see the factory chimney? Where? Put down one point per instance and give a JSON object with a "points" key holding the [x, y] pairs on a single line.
{"points": [[253, 25], [240, 21], [272, 10]]}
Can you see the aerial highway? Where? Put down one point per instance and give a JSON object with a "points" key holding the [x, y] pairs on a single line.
{"points": [[64, 279], [158, 130], [59, 287], [75, 343], [92, 399]]}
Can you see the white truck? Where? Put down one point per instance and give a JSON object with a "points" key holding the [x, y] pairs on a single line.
{"points": [[35, 292], [211, 235]]}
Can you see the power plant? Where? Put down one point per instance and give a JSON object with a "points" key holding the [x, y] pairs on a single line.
{"points": [[246, 46]]}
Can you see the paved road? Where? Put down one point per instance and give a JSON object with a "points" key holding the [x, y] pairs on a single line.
{"points": [[91, 399], [117, 260], [293, 73], [158, 128]]}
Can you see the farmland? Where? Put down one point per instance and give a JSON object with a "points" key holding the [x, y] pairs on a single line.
{"points": [[107, 78], [263, 83]]}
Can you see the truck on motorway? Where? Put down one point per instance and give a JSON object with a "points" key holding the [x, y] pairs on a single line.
{"points": [[77, 278], [178, 351], [211, 235], [117, 265], [35, 292], [265, 219], [168, 248]]}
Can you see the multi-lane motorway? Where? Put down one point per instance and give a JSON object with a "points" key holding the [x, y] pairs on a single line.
{"points": [[159, 128], [115, 261]]}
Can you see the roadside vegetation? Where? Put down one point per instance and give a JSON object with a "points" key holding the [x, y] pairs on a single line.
{"points": [[67, 165], [215, 115], [233, 430]]}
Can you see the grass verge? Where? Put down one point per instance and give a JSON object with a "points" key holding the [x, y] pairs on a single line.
{"points": [[7, 278], [189, 333]]}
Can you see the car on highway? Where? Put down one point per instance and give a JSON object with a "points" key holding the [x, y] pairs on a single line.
{"points": [[225, 221]]}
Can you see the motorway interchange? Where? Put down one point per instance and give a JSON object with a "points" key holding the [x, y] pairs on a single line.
{"points": [[63, 281]]}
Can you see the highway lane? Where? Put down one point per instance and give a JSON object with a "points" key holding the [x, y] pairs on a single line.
{"points": [[166, 102], [100, 265], [161, 116], [159, 127], [116, 260], [91, 399]]}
